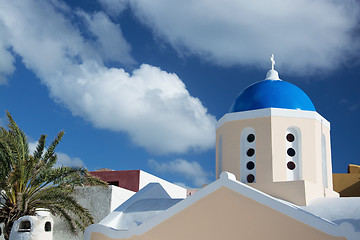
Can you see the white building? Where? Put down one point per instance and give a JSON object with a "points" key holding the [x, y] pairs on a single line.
{"points": [[32, 228], [102, 201]]}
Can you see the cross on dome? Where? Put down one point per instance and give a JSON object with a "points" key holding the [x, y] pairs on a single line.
{"points": [[272, 74], [272, 62]]}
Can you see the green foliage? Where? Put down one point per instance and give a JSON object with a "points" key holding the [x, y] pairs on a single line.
{"points": [[31, 182]]}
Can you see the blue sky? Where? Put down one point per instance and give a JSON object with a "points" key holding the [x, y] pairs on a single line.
{"points": [[140, 84]]}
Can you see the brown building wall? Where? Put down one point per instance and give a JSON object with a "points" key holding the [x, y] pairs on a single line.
{"points": [[125, 179], [348, 184]]}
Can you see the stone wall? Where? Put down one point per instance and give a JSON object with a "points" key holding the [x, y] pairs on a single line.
{"points": [[98, 200]]}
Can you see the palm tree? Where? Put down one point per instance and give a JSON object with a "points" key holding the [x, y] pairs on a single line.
{"points": [[30, 182]]}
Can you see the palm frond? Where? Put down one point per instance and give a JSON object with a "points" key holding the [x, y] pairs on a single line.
{"points": [[30, 182]]}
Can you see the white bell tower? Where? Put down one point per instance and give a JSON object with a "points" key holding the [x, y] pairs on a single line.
{"points": [[274, 140]]}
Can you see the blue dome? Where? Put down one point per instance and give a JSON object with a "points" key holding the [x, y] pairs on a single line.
{"points": [[272, 94]]}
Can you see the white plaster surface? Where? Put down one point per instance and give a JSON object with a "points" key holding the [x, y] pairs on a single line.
{"points": [[119, 196], [37, 228], [337, 210], [173, 190], [145, 204], [144, 210], [272, 75]]}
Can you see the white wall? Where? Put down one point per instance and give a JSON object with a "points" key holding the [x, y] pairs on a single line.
{"points": [[36, 228], [173, 190]]}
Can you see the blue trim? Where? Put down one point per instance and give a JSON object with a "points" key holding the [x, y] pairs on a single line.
{"points": [[272, 94]]}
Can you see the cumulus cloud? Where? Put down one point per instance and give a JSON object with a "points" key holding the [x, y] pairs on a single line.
{"points": [[151, 105], [108, 37], [62, 158], [304, 35], [190, 170]]}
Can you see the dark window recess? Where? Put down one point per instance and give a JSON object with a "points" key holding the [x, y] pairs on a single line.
{"points": [[25, 226], [250, 165], [290, 137], [0, 231], [251, 137], [250, 178], [291, 152], [291, 165], [115, 183], [48, 227], [250, 152]]}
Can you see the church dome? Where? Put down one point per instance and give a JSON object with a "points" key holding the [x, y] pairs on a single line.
{"points": [[272, 93]]}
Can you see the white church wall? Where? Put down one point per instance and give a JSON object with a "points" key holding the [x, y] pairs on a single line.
{"points": [[248, 155], [272, 172]]}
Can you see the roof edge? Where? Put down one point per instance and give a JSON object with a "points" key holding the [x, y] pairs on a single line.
{"points": [[272, 112], [228, 180]]}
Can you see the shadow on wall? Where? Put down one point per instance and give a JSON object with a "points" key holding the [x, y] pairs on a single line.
{"points": [[351, 191], [348, 184], [1, 231]]}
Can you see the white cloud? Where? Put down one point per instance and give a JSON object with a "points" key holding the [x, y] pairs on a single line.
{"points": [[6, 64], [190, 170], [304, 35], [65, 160], [114, 7], [32, 147], [6, 60], [151, 105], [108, 37], [183, 185], [62, 158], [350, 105]]}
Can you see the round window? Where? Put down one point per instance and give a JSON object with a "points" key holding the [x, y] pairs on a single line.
{"points": [[291, 165], [290, 137], [250, 178], [250, 152], [251, 137], [250, 165], [291, 152]]}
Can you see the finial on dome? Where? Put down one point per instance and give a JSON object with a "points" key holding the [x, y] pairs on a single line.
{"points": [[272, 74], [272, 62]]}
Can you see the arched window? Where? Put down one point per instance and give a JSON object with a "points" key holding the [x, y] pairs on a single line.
{"points": [[324, 162], [25, 226], [293, 154], [220, 155], [248, 156], [47, 227]]}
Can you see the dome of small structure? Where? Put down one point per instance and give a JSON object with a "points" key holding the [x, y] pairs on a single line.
{"points": [[272, 94]]}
